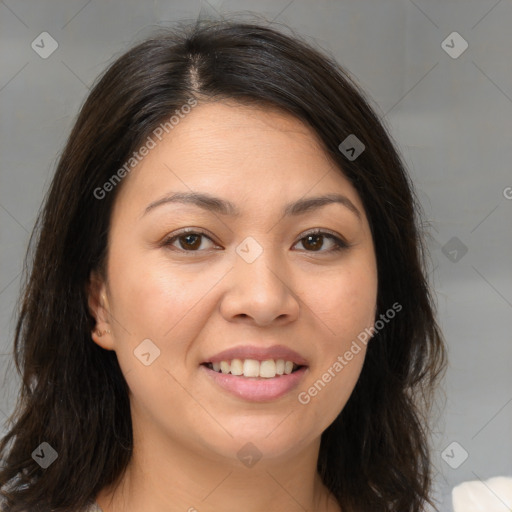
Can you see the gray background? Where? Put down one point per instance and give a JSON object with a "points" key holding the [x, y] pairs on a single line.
{"points": [[452, 121]]}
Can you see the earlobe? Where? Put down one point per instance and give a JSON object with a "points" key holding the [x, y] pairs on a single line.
{"points": [[103, 338]]}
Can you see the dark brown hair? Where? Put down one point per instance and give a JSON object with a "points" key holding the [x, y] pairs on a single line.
{"points": [[375, 456]]}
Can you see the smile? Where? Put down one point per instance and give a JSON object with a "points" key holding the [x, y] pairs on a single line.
{"points": [[255, 389], [267, 369]]}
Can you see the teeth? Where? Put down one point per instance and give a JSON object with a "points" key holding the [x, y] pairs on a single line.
{"points": [[251, 368], [237, 367], [267, 369]]}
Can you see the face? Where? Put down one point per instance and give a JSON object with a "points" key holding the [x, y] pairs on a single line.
{"points": [[195, 282]]}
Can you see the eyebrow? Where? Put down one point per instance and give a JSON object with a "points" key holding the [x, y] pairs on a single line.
{"points": [[223, 207]]}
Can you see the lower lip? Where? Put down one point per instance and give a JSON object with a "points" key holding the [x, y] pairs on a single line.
{"points": [[257, 389]]}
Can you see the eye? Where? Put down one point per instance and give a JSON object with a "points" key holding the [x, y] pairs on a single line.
{"points": [[188, 240], [191, 241], [314, 240]]}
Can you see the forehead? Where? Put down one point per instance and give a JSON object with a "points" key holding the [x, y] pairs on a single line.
{"points": [[226, 128], [243, 151]]}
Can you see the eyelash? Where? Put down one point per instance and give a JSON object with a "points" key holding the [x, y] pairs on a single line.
{"points": [[339, 244]]}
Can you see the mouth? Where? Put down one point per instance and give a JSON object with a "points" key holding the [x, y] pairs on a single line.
{"points": [[253, 368], [255, 388], [254, 373]]}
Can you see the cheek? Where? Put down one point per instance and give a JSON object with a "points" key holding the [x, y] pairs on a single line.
{"points": [[152, 295], [156, 301], [344, 307], [345, 303]]}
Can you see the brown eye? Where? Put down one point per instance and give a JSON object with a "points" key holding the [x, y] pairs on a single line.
{"points": [[188, 242], [313, 242]]}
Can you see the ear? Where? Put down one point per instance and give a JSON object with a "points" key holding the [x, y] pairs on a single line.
{"points": [[99, 310]]}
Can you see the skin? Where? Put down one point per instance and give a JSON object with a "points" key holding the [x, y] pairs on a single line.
{"points": [[195, 303]]}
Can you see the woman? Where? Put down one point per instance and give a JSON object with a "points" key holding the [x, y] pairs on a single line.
{"points": [[227, 308]]}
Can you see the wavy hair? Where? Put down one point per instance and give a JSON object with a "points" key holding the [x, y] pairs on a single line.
{"points": [[375, 456]]}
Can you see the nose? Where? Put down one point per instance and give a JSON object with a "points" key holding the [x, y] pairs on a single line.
{"points": [[260, 293]]}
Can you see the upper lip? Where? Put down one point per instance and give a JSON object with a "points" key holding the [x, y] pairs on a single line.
{"points": [[259, 353]]}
